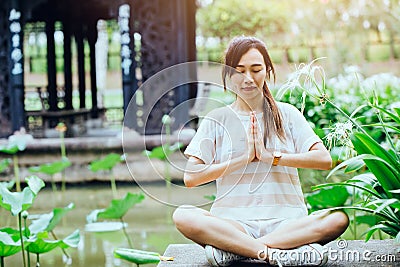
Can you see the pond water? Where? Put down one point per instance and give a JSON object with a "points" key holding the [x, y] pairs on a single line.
{"points": [[149, 223]]}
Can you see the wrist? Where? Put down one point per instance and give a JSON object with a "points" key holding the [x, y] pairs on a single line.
{"points": [[266, 156], [277, 155]]}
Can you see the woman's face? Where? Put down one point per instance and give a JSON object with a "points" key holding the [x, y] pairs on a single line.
{"points": [[251, 73]]}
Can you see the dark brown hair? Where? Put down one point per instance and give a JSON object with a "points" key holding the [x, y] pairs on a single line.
{"points": [[236, 49]]}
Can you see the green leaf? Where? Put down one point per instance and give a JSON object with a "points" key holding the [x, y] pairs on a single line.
{"points": [[355, 161], [34, 183], [364, 144], [354, 166], [16, 143], [157, 153], [398, 237], [9, 184], [162, 152], [137, 256], [47, 222], [101, 227], [117, 209], [10, 149], [72, 240], [385, 125], [16, 202], [4, 163], [373, 229], [347, 184], [107, 163], [397, 111], [44, 245], [332, 196], [388, 113], [52, 168], [381, 204], [8, 246], [370, 220], [210, 197]]}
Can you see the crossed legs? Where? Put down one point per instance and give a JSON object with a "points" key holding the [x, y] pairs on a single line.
{"points": [[205, 229]]}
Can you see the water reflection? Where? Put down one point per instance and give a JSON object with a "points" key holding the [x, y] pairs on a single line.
{"points": [[149, 224]]}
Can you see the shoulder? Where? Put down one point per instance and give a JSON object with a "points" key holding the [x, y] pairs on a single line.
{"points": [[219, 114], [287, 109]]}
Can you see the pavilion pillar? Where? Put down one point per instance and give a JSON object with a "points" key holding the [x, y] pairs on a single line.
{"points": [[81, 65], [127, 59], [92, 37], [185, 38], [67, 65], [128, 63], [16, 66], [51, 65], [5, 108]]}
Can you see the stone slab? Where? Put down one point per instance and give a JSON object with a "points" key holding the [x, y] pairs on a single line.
{"points": [[351, 254]]}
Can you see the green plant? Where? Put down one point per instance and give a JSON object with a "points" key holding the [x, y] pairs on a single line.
{"points": [[140, 256], [4, 163], [117, 209], [376, 192], [162, 152], [62, 128], [43, 244], [107, 164], [12, 148], [52, 169], [32, 239], [10, 243], [17, 202]]}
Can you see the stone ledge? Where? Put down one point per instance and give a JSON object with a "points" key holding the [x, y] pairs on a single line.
{"points": [[191, 255]]}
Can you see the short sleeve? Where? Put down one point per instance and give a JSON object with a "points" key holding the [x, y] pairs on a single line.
{"points": [[202, 145], [303, 135]]}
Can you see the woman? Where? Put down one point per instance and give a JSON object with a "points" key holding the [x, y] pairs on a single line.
{"points": [[252, 148]]}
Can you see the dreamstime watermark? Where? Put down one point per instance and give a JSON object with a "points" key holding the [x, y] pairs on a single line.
{"points": [[341, 253]]}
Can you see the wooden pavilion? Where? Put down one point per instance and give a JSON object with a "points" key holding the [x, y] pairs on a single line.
{"points": [[167, 30]]}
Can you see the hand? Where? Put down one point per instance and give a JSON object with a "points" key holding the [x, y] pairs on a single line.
{"points": [[251, 152], [261, 153]]}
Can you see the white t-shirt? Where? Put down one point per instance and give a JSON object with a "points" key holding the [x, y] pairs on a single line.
{"points": [[259, 190]]}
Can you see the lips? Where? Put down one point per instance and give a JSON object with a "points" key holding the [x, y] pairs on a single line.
{"points": [[249, 88]]}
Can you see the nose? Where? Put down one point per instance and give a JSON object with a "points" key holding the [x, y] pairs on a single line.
{"points": [[248, 77]]}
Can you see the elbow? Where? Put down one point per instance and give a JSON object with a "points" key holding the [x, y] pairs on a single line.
{"points": [[188, 180], [326, 162]]}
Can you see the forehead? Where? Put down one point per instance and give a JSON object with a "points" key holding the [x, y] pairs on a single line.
{"points": [[251, 57]]}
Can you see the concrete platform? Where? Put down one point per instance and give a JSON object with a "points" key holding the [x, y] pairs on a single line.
{"points": [[351, 253]]}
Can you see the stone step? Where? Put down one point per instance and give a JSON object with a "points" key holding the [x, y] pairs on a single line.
{"points": [[352, 253]]}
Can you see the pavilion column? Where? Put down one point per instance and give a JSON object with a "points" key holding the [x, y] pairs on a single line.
{"points": [[128, 63], [16, 67], [92, 37], [185, 40], [81, 65], [67, 65], [51, 65], [5, 109]]}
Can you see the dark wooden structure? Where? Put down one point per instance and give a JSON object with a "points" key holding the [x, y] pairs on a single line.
{"points": [[167, 30]]}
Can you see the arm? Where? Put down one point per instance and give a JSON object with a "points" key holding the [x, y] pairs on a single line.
{"points": [[198, 173], [317, 157]]}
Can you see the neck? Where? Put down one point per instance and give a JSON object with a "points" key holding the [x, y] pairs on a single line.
{"points": [[256, 105]]}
